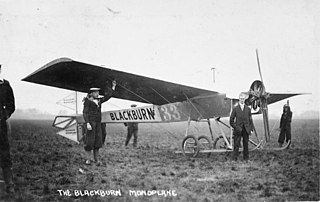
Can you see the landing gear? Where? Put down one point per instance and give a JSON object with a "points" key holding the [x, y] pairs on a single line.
{"points": [[190, 146], [205, 144], [219, 143]]}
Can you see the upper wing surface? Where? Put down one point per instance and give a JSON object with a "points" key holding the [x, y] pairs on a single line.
{"points": [[275, 97], [72, 75]]}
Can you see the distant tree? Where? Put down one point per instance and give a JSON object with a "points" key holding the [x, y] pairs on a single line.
{"points": [[32, 113], [310, 114]]}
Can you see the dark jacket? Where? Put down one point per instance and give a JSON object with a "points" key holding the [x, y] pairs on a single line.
{"points": [[7, 105], [286, 119], [243, 118], [92, 111]]}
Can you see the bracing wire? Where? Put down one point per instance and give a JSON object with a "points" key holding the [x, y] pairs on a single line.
{"points": [[178, 109], [148, 103], [168, 102], [160, 95], [276, 122], [193, 105], [134, 93]]}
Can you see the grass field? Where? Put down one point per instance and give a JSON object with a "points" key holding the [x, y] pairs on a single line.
{"points": [[44, 163]]}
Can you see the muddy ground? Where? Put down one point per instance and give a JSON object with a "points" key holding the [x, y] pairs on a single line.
{"points": [[45, 163]]}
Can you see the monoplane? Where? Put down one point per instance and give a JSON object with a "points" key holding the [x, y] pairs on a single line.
{"points": [[165, 102]]}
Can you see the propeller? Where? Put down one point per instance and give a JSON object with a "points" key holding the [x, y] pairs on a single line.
{"points": [[258, 99], [258, 61]]}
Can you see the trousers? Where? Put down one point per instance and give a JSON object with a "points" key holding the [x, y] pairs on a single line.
{"points": [[285, 134], [245, 142], [134, 133], [5, 158]]}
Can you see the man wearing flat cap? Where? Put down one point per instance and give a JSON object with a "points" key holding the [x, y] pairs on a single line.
{"points": [[132, 130], [7, 107], [92, 117]]}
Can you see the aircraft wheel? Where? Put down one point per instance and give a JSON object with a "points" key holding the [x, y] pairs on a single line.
{"points": [[190, 146], [205, 144], [219, 143]]}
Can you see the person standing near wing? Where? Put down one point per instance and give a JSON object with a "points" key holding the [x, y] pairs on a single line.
{"points": [[285, 125], [132, 129], [242, 127], [7, 107], [92, 117]]}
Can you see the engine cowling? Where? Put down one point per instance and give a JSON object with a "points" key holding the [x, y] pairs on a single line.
{"points": [[257, 92]]}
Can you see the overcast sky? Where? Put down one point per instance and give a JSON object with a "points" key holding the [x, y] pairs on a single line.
{"points": [[173, 40]]}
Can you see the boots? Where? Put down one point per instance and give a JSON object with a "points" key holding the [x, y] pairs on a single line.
{"points": [[8, 179], [135, 142], [127, 142], [96, 157], [95, 154]]}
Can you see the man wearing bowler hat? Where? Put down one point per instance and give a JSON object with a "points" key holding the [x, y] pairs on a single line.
{"points": [[7, 107], [92, 117]]}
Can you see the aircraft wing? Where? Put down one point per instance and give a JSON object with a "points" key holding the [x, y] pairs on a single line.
{"points": [[72, 75], [275, 97]]}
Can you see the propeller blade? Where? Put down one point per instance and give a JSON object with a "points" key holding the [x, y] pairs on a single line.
{"points": [[258, 61]]}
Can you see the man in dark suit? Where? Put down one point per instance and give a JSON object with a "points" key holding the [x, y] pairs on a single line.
{"points": [[7, 107], [242, 127]]}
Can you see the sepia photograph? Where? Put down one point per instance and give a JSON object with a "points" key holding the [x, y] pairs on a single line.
{"points": [[159, 100]]}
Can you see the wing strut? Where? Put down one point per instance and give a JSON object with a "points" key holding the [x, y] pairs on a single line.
{"points": [[193, 105]]}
